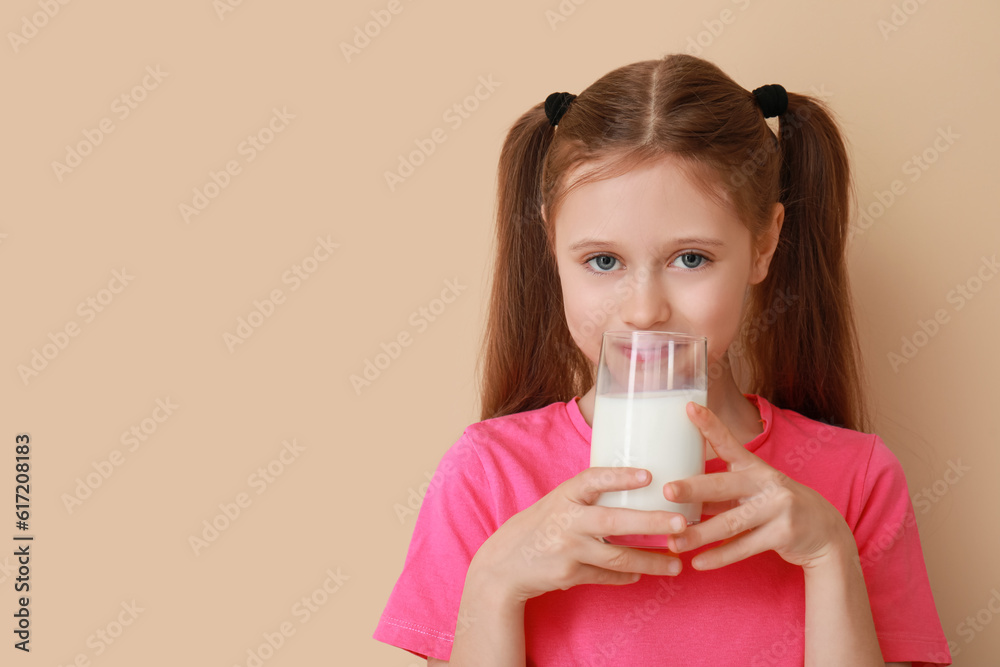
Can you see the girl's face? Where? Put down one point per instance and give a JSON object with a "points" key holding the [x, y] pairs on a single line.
{"points": [[648, 251]]}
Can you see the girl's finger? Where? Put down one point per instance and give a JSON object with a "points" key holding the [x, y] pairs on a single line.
{"points": [[721, 439], [626, 559], [713, 508], [591, 574], [729, 524], [712, 487], [588, 485], [733, 551], [603, 521]]}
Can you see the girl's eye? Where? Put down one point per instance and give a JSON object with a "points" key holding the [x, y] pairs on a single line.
{"points": [[604, 263], [692, 257], [689, 260]]}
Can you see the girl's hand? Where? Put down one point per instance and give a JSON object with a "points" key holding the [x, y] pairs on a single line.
{"points": [[556, 542], [757, 508]]}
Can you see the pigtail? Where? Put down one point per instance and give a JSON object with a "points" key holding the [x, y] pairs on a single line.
{"points": [[810, 360], [528, 357]]}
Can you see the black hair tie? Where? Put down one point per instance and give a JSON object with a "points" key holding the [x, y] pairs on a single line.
{"points": [[556, 105], [772, 99]]}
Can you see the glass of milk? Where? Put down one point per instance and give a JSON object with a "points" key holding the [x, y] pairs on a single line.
{"points": [[645, 380]]}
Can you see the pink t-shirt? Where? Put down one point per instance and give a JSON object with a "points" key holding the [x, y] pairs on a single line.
{"points": [[747, 613]]}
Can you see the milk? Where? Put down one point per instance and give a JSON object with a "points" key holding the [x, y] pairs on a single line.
{"points": [[654, 434]]}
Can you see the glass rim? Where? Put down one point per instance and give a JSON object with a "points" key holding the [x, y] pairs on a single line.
{"points": [[624, 333]]}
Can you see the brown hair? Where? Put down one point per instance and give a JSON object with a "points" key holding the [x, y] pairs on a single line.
{"points": [[809, 360]]}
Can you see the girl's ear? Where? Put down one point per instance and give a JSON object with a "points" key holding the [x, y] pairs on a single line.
{"points": [[768, 244], [543, 213]]}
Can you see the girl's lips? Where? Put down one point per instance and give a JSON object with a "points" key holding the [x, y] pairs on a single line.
{"points": [[641, 355]]}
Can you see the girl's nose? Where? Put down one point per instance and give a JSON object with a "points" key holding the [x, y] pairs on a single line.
{"points": [[644, 303]]}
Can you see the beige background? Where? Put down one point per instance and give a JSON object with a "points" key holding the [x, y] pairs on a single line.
{"points": [[331, 508]]}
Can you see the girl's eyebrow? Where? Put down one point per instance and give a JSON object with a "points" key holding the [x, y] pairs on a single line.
{"points": [[600, 243]]}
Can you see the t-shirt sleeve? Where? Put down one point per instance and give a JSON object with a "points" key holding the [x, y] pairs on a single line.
{"points": [[906, 618], [456, 516]]}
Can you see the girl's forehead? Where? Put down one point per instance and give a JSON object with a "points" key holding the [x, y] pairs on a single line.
{"points": [[657, 193], [613, 175]]}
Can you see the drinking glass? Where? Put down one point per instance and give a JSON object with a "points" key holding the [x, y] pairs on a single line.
{"points": [[644, 381]]}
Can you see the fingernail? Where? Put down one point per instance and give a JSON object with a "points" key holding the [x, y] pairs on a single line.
{"points": [[677, 524], [672, 488], [641, 475], [680, 542], [674, 567]]}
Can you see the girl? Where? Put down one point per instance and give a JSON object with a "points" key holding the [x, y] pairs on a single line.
{"points": [[660, 199]]}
